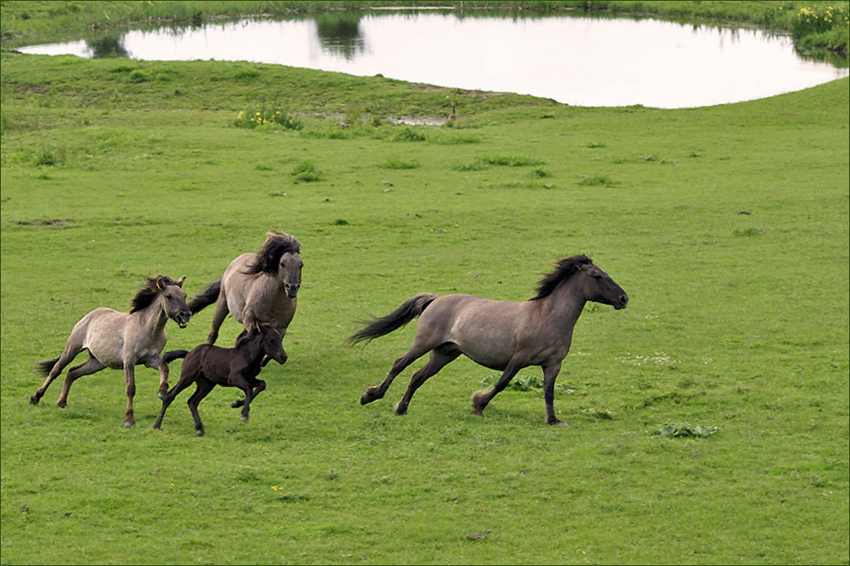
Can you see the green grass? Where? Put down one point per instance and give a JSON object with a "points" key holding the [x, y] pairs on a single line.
{"points": [[708, 422]]}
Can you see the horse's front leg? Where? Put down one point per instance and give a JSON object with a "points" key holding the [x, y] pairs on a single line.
{"points": [[550, 372], [163, 380], [480, 399], [130, 379], [221, 312]]}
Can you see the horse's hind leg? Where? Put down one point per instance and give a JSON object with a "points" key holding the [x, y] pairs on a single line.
{"points": [[89, 367], [377, 391], [440, 357], [72, 348]]}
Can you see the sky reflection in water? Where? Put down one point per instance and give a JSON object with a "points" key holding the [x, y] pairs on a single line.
{"points": [[575, 60]]}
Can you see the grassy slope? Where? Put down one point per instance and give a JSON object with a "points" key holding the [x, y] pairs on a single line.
{"points": [[736, 320]]}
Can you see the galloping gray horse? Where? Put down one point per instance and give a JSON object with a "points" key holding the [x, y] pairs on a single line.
{"points": [[120, 340], [500, 335], [255, 288]]}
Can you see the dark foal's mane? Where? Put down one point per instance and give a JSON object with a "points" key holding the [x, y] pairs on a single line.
{"points": [[149, 292], [564, 269], [275, 246]]}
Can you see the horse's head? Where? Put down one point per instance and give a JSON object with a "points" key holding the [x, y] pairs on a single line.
{"points": [[289, 273], [272, 342], [599, 287], [174, 300]]}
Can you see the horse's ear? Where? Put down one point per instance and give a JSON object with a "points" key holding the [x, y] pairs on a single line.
{"points": [[160, 283], [180, 281]]}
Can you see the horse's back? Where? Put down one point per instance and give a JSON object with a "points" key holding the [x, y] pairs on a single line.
{"points": [[484, 329]]}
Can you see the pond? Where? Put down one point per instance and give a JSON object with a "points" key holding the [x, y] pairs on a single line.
{"points": [[577, 60]]}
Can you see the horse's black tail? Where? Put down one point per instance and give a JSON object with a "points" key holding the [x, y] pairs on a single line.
{"points": [[169, 357], [44, 367], [205, 298], [408, 310]]}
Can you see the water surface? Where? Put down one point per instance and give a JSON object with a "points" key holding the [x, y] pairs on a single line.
{"points": [[584, 61]]}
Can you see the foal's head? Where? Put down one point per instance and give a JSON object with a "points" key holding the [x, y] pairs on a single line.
{"points": [[268, 338], [171, 294]]}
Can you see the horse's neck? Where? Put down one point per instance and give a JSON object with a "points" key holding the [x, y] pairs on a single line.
{"points": [[566, 303], [153, 317], [254, 352]]}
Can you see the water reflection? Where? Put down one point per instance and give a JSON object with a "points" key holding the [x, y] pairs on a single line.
{"points": [[339, 33], [587, 61], [105, 46]]}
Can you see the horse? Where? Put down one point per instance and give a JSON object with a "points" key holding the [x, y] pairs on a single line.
{"points": [[501, 335], [207, 366], [119, 340], [255, 288]]}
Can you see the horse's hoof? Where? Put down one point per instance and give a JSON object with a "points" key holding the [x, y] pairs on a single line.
{"points": [[61, 404], [199, 432], [556, 422], [237, 404], [245, 419], [129, 424], [34, 400], [477, 412], [161, 396]]}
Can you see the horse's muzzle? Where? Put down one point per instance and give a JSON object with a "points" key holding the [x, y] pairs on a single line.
{"points": [[182, 319], [291, 290], [621, 302]]}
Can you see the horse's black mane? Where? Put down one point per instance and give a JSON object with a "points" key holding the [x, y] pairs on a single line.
{"points": [[275, 246], [149, 292], [564, 269]]}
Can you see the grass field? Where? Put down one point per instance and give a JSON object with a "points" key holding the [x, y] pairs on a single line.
{"points": [[708, 421]]}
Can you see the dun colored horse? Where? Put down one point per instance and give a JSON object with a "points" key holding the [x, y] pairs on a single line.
{"points": [[501, 335], [207, 366], [120, 340], [257, 288]]}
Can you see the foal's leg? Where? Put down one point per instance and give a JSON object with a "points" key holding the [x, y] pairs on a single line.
{"points": [[258, 385], [377, 392], [550, 372], [480, 399], [203, 389], [238, 380], [186, 379], [90, 366], [439, 358]]}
